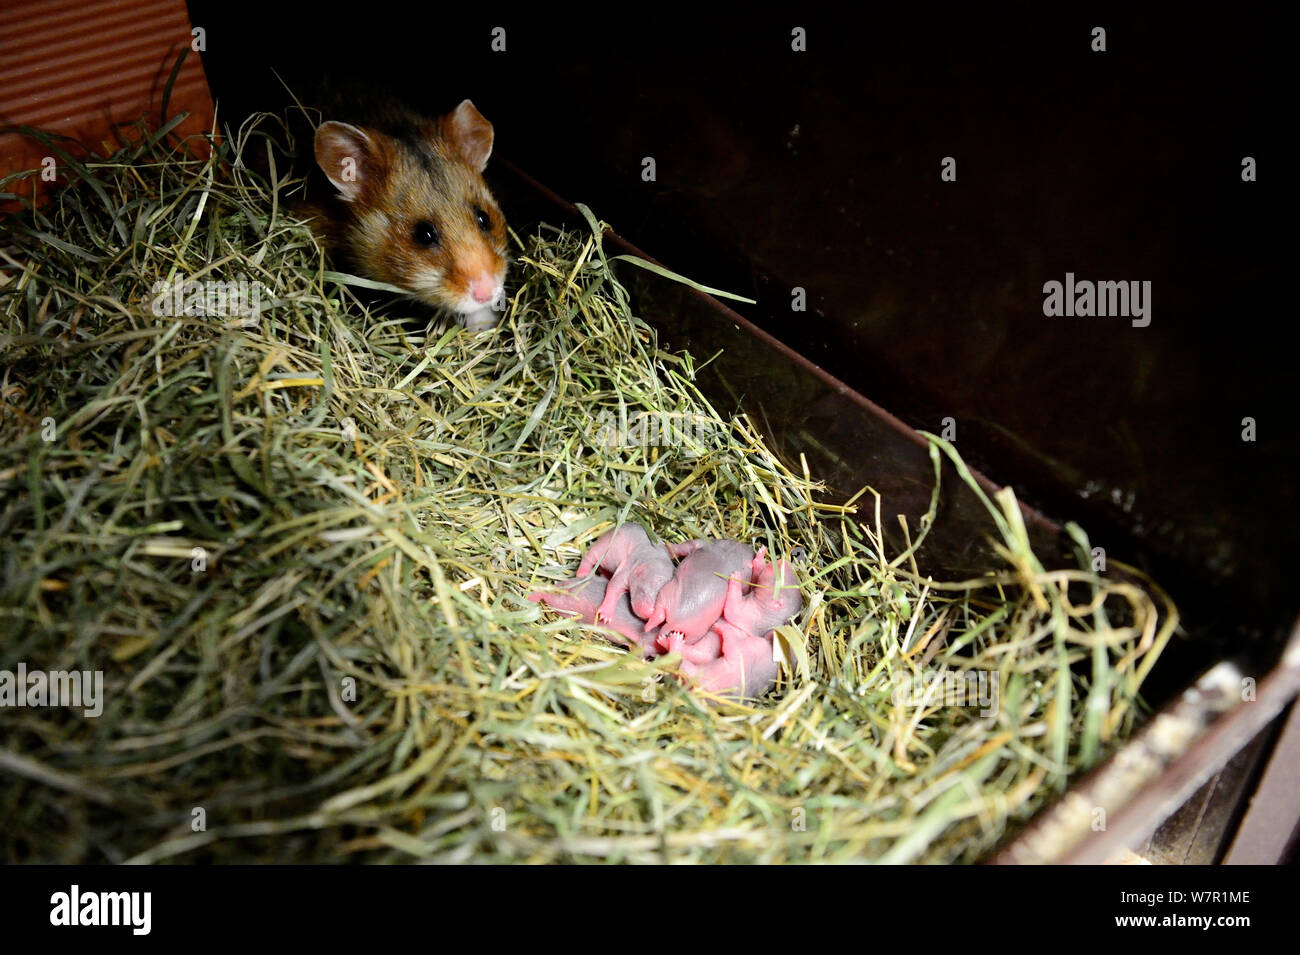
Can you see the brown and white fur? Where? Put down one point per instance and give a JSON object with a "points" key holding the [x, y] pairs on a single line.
{"points": [[412, 209]]}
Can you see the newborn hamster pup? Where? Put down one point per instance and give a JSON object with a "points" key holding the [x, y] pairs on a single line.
{"points": [[583, 595], [412, 208], [773, 599], [746, 669], [690, 603], [637, 566]]}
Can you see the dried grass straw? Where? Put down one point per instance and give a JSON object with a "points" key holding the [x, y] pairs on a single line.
{"points": [[298, 550]]}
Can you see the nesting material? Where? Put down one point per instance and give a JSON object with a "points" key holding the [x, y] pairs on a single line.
{"points": [[295, 530]]}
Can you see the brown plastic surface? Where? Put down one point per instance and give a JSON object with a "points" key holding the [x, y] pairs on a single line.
{"points": [[81, 67]]}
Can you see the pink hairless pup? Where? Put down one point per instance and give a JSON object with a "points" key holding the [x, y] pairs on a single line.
{"points": [[717, 609], [690, 603], [583, 595], [637, 567], [704, 650], [747, 670], [773, 599], [736, 656]]}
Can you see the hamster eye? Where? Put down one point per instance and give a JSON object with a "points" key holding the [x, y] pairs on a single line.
{"points": [[484, 220], [425, 234]]}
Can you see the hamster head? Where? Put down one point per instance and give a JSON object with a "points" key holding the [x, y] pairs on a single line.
{"points": [[418, 212], [776, 592], [645, 582]]}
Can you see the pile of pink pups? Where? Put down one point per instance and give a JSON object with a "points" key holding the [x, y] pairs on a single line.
{"points": [[717, 608]]}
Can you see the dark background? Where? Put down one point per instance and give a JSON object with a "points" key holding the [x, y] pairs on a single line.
{"points": [[821, 170]]}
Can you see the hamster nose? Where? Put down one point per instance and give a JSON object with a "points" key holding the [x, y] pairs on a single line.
{"points": [[483, 289]]}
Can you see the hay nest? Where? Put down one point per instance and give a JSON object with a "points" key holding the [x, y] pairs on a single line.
{"points": [[295, 537]]}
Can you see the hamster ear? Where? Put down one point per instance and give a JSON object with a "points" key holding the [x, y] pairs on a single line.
{"points": [[344, 154], [469, 134]]}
